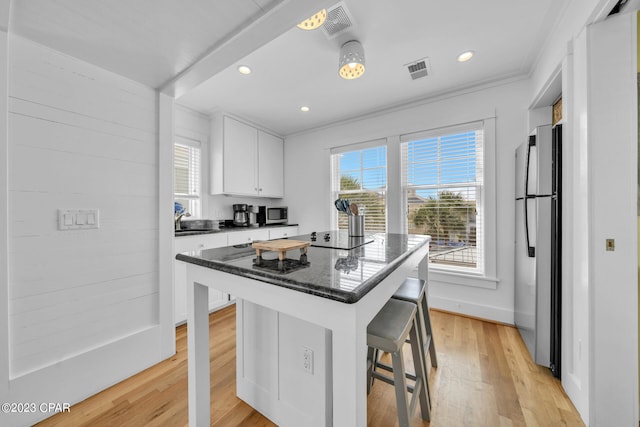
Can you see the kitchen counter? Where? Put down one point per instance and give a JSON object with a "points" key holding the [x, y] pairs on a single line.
{"points": [[188, 232], [323, 307], [327, 272]]}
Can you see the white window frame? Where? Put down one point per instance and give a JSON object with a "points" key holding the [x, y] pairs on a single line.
{"points": [[485, 275], [195, 210], [335, 165]]}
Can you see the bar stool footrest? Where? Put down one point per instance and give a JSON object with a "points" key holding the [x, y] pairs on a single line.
{"points": [[389, 368]]}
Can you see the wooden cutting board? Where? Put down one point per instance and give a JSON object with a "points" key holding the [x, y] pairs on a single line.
{"points": [[281, 246]]}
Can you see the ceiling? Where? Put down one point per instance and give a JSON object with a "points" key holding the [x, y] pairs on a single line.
{"points": [[177, 46], [300, 68], [149, 41]]}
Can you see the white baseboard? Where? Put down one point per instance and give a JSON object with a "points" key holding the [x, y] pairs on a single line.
{"points": [[573, 387], [467, 308], [77, 378]]}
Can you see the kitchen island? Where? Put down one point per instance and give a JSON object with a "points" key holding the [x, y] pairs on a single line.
{"points": [[335, 290]]}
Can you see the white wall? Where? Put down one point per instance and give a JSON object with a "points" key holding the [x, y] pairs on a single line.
{"points": [[613, 154], [195, 125], [599, 341], [308, 193], [569, 22], [84, 306]]}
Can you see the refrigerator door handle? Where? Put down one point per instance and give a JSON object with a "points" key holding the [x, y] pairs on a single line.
{"points": [[532, 143], [531, 250]]}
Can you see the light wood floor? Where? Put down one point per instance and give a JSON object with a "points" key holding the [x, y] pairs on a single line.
{"points": [[485, 377]]}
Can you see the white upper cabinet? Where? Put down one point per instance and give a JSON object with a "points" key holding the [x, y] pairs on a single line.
{"points": [[245, 161], [270, 165]]}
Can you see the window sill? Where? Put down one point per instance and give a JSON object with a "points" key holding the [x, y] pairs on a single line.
{"points": [[462, 279]]}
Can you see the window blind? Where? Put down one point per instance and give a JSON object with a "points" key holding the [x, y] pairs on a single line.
{"points": [[442, 175], [361, 177], [186, 181]]}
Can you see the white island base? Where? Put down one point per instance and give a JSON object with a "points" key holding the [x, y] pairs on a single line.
{"points": [[270, 362], [335, 394]]}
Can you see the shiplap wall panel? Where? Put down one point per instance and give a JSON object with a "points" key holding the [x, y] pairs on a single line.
{"points": [[125, 103], [52, 274], [118, 142], [78, 173], [99, 324], [79, 137], [112, 217]]}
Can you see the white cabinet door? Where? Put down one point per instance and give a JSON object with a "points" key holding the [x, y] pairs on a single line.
{"points": [[194, 243], [270, 165], [245, 161], [282, 232], [240, 160], [248, 236], [200, 241]]}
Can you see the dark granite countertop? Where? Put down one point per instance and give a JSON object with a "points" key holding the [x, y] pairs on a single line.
{"points": [[338, 274], [188, 232]]}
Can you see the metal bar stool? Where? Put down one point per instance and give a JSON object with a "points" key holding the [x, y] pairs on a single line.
{"points": [[388, 331]]}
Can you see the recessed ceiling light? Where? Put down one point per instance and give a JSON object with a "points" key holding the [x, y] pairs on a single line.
{"points": [[243, 69], [305, 109], [465, 56]]}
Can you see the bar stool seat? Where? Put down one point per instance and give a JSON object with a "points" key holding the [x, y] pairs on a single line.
{"points": [[414, 290], [388, 331]]}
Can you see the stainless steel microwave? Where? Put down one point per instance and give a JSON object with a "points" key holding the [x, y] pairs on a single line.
{"points": [[277, 215]]}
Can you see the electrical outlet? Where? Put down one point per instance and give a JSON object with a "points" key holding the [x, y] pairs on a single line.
{"points": [[307, 359]]}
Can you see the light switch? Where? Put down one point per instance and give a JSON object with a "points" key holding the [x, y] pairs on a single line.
{"points": [[78, 219], [81, 218]]}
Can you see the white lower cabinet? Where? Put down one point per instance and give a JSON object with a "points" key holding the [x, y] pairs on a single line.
{"points": [[217, 298], [282, 232], [247, 236]]}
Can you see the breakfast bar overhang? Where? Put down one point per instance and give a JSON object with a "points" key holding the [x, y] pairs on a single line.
{"points": [[338, 289]]}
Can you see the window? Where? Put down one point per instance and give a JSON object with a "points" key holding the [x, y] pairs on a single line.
{"points": [[443, 179], [186, 178], [361, 177]]}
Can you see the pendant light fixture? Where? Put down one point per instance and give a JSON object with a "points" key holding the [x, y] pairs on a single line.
{"points": [[315, 21], [351, 60]]}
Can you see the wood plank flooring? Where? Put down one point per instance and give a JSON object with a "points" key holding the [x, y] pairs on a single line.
{"points": [[485, 377]]}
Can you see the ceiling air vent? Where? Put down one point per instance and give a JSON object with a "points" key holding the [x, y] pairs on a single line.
{"points": [[419, 68], [338, 21]]}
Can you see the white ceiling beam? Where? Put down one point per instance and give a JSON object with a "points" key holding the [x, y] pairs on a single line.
{"points": [[601, 11], [239, 44], [5, 12]]}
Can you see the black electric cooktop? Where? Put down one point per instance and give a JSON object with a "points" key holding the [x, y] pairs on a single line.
{"points": [[337, 240]]}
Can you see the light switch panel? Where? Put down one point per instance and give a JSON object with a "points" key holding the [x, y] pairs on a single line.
{"points": [[78, 219]]}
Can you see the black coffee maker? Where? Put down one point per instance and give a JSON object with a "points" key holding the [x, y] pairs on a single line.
{"points": [[240, 215]]}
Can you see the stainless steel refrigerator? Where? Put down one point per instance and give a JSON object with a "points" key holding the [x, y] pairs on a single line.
{"points": [[538, 245]]}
